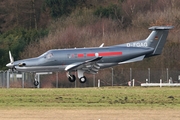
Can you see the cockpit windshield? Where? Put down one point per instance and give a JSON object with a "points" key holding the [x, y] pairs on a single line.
{"points": [[47, 55]]}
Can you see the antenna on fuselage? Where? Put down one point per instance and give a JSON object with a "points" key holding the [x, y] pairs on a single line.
{"points": [[101, 45]]}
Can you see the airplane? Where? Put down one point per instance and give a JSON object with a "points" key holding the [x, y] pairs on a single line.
{"points": [[91, 60]]}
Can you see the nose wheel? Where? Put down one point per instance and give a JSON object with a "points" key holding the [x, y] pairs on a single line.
{"points": [[36, 82]]}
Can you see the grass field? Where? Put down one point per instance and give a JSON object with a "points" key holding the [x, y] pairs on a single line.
{"points": [[120, 97], [91, 103]]}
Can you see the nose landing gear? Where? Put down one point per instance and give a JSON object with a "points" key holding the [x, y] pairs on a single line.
{"points": [[36, 82]]}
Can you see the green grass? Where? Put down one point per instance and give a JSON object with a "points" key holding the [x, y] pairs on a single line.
{"points": [[116, 97]]}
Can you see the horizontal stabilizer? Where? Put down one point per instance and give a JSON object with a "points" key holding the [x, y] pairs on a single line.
{"points": [[160, 27], [133, 60]]}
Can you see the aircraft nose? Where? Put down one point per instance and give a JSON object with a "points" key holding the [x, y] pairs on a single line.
{"points": [[10, 65]]}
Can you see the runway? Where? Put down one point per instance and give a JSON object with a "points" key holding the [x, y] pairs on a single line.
{"points": [[89, 114]]}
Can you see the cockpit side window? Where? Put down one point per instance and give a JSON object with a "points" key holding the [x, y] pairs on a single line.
{"points": [[49, 55]]}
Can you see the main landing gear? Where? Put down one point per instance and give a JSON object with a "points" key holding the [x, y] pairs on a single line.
{"points": [[82, 79], [72, 78]]}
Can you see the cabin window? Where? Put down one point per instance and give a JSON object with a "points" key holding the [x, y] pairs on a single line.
{"points": [[70, 55], [75, 55]]}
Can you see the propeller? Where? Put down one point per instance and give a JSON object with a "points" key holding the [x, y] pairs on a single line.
{"points": [[11, 64]]}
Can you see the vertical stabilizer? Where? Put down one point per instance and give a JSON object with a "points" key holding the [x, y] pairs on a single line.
{"points": [[157, 38]]}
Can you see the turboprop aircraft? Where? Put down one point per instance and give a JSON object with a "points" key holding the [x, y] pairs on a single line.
{"points": [[90, 60]]}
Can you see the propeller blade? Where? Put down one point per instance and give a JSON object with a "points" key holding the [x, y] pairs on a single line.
{"points": [[11, 57], [11, 64]]}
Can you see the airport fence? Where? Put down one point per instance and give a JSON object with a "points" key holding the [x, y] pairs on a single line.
{"points": [[105, 77]]}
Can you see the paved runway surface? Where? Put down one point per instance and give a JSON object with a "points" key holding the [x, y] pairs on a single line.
{"points": [[88, 114]]}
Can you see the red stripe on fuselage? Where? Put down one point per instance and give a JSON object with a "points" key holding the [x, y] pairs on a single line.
{"points": [[110, 53], [102, 54], [80, 55], [90, 54]]}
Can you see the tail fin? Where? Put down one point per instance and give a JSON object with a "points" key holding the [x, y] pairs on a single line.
{"points": [[157, 38]]}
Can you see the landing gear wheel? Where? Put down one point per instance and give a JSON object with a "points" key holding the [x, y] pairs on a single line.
{"points": [[72, 78], [36, 83], [82, 79]]}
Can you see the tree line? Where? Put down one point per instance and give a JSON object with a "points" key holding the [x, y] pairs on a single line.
{"points": [[31, 27]]}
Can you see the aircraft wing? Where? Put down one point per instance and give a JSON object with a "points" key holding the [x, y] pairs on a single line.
{"points": [[88, 66]]}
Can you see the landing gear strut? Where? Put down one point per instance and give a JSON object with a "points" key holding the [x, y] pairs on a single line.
{"points": [[72, 78], [82, 78], [36, 82]]}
